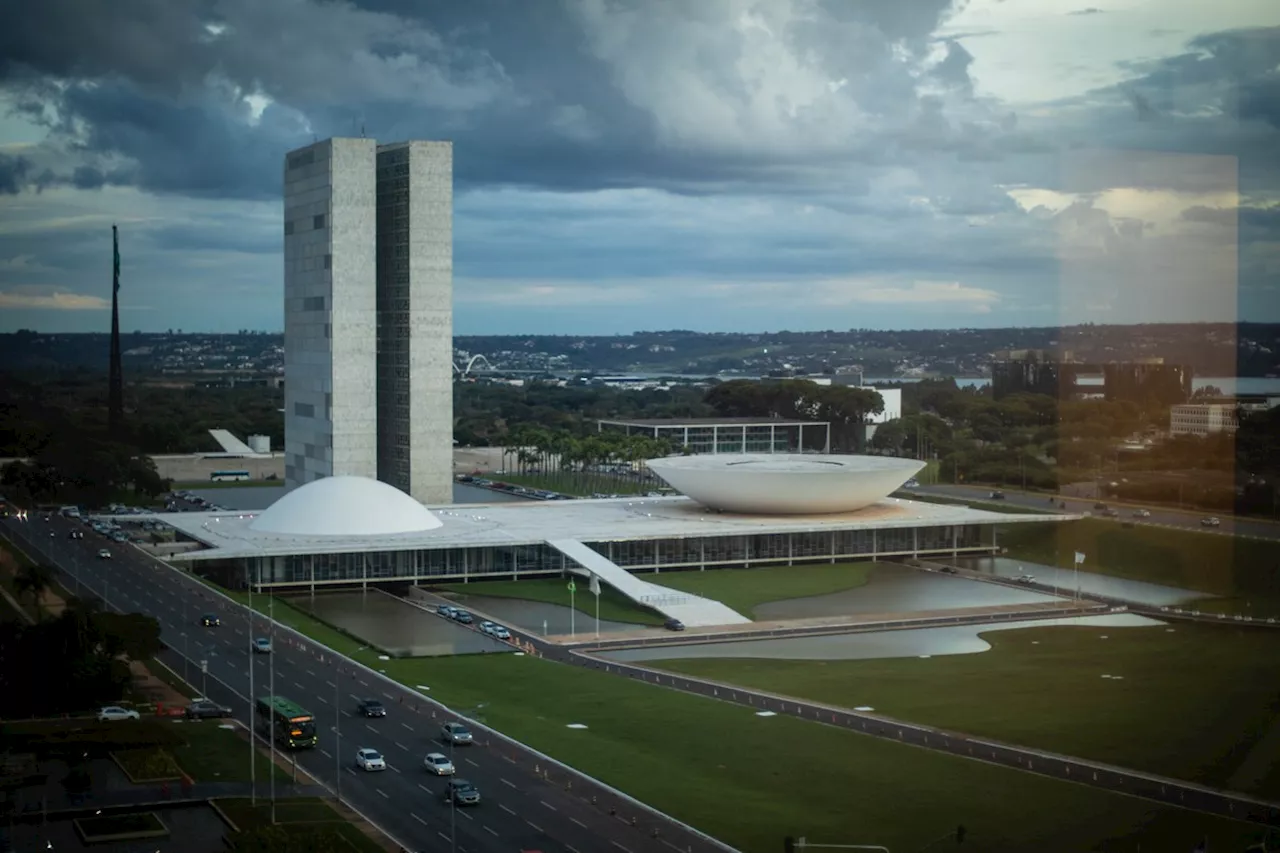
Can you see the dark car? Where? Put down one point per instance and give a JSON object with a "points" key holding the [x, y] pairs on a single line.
{"points": [[209, 620], [673, 625], [1099, 505], [997, 496], [371, 708], [463, 616], [461, 792], [203, 709]]}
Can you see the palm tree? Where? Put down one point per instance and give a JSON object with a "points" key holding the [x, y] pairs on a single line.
{"points": [[34, 580]]}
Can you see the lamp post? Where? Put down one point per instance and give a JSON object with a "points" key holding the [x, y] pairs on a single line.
{"points": [[271, 680]]}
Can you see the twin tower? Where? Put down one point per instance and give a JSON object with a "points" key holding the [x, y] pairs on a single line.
{"points": [[368, 314]]}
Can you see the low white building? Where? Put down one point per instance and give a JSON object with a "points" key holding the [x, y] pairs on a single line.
{"points": [[1209, 417]]}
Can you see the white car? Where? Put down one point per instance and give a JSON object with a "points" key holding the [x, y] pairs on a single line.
{"points": [[500, 633], [1141, 513], [438, 764], [1211, 521], [487, 627], [104, 554], [115, 712], [370, 759], [456, 733]]}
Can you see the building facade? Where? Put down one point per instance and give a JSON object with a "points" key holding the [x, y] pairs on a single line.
{"points": [[730, 435], [329, 316], [369, 314], [415, 318]]}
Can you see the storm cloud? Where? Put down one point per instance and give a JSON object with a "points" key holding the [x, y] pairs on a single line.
{"points": [[727, 145]]}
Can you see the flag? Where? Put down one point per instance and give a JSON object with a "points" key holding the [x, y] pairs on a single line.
{"points": [[115, 251], [1079, 557], [595, 585]]}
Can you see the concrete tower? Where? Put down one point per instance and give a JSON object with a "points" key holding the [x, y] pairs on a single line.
{"points": [[415, 318], [330, 398], [369, 314]]}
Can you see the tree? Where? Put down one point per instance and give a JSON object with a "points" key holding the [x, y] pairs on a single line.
{"points": [[34, 580]]}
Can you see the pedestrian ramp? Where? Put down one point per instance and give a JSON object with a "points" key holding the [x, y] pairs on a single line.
{"points": [[693, 610]]}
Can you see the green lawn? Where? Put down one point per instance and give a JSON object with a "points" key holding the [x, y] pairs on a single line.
{"points": [[300, 824], [211, 753], [1043, 687], [577, 483], [614, 606], [745, 589], [1242, 571], [700, 760]]}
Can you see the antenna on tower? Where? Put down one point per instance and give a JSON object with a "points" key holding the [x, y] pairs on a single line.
{"points": [[362, 130]]}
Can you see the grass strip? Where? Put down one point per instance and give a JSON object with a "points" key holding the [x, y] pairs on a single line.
{"points": [[1044, 687]]}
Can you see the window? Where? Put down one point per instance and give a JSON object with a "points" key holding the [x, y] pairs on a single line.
{"points": [[304, 410], [313, 303], [328, 262], [318, 221]]}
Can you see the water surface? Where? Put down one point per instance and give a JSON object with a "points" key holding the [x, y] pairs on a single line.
{"points": [[394, 625], [949, 640]]}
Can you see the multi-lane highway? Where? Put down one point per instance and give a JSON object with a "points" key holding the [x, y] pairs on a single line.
{"points": [[525, 805], [1159, 517]]}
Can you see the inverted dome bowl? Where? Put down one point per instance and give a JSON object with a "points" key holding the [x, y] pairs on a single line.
{"points": [[784, 483]]}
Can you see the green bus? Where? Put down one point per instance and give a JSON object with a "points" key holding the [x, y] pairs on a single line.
{"points": [[286, 723]]}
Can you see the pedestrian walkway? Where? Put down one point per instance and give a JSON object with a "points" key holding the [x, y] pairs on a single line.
{"points": [[693, 610]]}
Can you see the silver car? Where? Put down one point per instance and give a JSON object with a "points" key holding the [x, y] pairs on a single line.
{"points": [[457, 734]]}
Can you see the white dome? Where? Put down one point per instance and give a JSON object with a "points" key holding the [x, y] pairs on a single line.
{"points": [[345, 506], [784, 483]]}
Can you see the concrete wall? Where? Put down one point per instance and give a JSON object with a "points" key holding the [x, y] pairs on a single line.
{"points": [[191, 468], [330, 401]]}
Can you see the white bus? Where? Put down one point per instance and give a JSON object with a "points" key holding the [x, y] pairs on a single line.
{"points": [[228, 476]]}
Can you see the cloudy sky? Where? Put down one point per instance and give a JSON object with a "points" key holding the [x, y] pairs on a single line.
{"points": [[723, 165]]}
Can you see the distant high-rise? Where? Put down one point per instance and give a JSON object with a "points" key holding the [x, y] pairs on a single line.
{"points": [[369, 314]]}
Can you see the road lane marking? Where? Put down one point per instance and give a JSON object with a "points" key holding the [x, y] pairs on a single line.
{"points": [[331, 684], [325, 754], [370, 728], [394, 768], [418, 819], [383, 793], [505, 809], [407, 726], [385, 693], [537, 828], [309, 672], [505, 782], [472, 763], [491, 832], [442, 835], [424, 787], [399, 744], [464, 814], [578, 822], [548, 805], [619, 846]]}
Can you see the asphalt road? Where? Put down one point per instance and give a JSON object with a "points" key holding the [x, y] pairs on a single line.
{"points": [[526, 805], [1160, 517]]}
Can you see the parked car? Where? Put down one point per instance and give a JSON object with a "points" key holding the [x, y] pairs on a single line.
{"points": [[370, 759], [371, 708], [204, 709], [487, 627], [1211, 521], [457, 734], [210, 620], [104, 554], [673, 625], [463, 616], [111, 713], [262, 646], [460, 792], [500, 633], [438, 764], [446, 610]]}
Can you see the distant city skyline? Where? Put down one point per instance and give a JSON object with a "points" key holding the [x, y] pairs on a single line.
{"points": [[725, 166]]}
